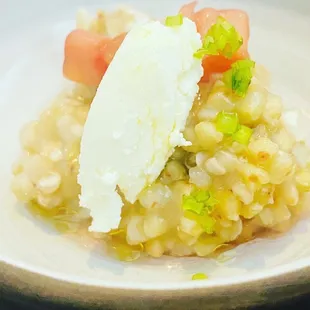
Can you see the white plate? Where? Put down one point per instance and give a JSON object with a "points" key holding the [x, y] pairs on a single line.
{"points": [[32, 35]]}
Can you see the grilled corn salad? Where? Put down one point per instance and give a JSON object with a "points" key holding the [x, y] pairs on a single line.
{"points": [[169, 143]]}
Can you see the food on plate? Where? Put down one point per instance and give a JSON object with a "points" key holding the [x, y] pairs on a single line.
{"points": [[93, 52], [205, 20], [169, 142]]}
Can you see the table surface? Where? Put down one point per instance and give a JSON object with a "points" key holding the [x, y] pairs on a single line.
{"points": [[12, 302]]}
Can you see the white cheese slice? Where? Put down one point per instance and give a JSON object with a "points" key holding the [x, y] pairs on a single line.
{"points": [[137, 117]]}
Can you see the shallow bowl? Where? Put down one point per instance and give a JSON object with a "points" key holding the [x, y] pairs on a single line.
{"points": [[36, 260]]}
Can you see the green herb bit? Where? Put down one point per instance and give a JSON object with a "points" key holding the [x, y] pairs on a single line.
{"points": [[208, 224], [199, 202], [239, 77], [222, 39], [173, 21], [191, 204], [199, 276], [243, 135], [227, 123], [200, 53]]}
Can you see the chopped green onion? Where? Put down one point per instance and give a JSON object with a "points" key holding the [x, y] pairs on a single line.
{"points": [[211, 203], [191, 204], [227, 123], [200, 53], [202, 196], [239, 77], [172, 21], [199, 276], [243, 135], [221, 39], [208, 224], [199, 202]]}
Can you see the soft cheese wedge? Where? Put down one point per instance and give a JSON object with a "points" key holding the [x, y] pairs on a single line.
{"points": [[137, 117]]}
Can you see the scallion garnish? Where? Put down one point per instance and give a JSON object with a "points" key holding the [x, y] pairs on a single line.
{"points": [[239, 77], [173, 21], [243, 135], [227, 123], [221, 39], [199, 202], [199, 276]]}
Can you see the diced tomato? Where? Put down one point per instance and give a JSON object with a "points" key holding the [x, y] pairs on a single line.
{"points": [[216, 64], [88, 55], [188, 10], [112, 46]]}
